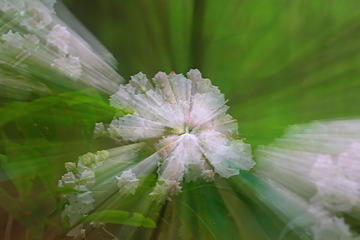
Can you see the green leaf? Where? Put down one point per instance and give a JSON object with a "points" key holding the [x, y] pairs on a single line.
{"points": [[64, 102], [121, 217]]}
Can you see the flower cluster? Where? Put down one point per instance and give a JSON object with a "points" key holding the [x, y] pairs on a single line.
{"points": [[33, 14], [186, 120], [338, 180], [41, 29], [36, 36], [182, 121], [320, 163], [80, 177], [327, 226]]}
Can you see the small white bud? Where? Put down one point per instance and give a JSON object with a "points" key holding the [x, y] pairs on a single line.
{"points": [[127, 182]]}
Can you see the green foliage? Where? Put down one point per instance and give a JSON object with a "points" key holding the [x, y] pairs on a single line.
{"points": [[36, 138], [121, 217]]}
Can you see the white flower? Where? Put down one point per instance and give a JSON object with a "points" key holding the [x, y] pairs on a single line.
{"points": [[69, 179], [87, 177], [85, 198], [69, 65], [188, 117], [323, 169], [35, 15], [27, 43], [127, 182], [70, 166], [338, 188], [81, 177], [348, 162], [319, 161], [101, 156], [327, 226], [87, 159], [60, 38], [14, 40], [191, 137], [15, 5]]}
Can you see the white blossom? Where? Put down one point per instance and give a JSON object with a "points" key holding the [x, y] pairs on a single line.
{"points": [[81, 177], [59, 37], [188, 118], [87, 177], [23, 46], [36, 15], [68, 179], [70, 166], [13, 39], [190, 137], [337, 180], [87, 159], [85, 198], [320, 161], [101, 156], [16, 5], [127, 182], [327, 226], [348, 162], [69, 65]]}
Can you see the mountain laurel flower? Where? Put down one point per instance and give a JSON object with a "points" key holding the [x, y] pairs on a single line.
{"points": [[337, 179], [68, 180], [69, 65], [81, 177], [87, 177], [182, 124], [318, 162], [127, 182], [59, 37], [37, 15], [186, 116], [70, 166], [87, 160], [34, 14], [326, 226], [16, 47], [15, 5]]}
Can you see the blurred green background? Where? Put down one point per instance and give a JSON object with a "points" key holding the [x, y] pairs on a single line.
{"points": [[278, 62]]}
